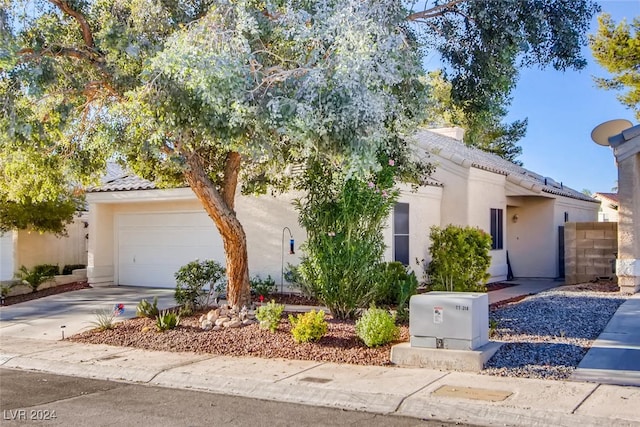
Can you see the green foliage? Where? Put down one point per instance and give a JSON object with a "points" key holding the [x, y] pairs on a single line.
{"points": [[269, 315], [396, 285], [617, 49], [192, 279], [376, 327], [68, 268], [459, 259], [262, 287], [34, 277], [147, 309], [167, 320], [483, 129], [47, 269], [45, 216], [484, 43], [307, 327], [105, 320], [5, 288], [344, 222]]}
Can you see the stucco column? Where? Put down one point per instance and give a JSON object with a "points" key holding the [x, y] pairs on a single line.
{"points": [[626, 148]]}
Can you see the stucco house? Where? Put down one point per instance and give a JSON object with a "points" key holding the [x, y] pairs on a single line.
{"points": [[140, 235], [608, 206], [30, 248]]}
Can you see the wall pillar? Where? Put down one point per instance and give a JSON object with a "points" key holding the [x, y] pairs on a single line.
{"points": [[626, 148]]}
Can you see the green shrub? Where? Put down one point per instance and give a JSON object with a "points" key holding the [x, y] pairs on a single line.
{"points": [[310, 326], [295, 279], [344, 219], [192, 279], [47, 269], [269, 315], [397, 284], [262, 287], [147, 309], [68, 269], [459, 259], [376, 327], [167, 320], [34, 277]]}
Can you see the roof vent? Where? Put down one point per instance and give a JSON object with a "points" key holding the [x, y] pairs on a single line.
{"points": [[550, 182]]}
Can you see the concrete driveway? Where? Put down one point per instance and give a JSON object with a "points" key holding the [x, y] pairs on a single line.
{"points": [[73, 312]]}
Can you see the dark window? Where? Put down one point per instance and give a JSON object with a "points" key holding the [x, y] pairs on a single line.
{"points": [[401, 233], [496, 229]]}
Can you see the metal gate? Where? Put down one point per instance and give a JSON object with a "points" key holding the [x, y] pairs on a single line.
{"points": [[561, 251]]}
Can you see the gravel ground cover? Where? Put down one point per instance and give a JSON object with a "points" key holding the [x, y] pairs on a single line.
{"points": [[547, 335]]}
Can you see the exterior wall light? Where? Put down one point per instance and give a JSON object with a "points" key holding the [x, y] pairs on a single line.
{"points": [[515, 218]]}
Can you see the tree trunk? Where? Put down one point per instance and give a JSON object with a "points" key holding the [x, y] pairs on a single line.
{"points": [[220, 209]]}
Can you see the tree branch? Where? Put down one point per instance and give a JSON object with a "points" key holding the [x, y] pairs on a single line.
{"points": [[434, 11], [79, 17]]}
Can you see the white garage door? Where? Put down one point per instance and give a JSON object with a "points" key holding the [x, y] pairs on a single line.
{"points": [[153, 246]]}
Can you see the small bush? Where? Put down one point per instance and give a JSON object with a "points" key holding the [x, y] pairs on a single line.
{"points": [[262, 287], [269, 315], [376, 327], [167, 320], [105, 320], [310, 326], [147, 309], [47, 269], [68, 269], [34, 277], [191, 281], [460, 259]]}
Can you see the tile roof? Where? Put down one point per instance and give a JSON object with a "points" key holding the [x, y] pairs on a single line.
{"points": [[458, 152], [118, 179], [612, 197]]}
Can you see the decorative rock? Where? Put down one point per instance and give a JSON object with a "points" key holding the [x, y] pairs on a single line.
{"points": [[206, 324], [213, 315], [221, 320], [246, 322], [243, 313], [202, 319], [146, 329], [216, 328], [235, 323]]}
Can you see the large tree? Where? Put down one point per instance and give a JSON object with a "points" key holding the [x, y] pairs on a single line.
{"points": [[617, 49], [205, 93], [212, 93]]}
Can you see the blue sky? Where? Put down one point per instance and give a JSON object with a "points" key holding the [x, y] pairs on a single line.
{"points": [[562, 109]]}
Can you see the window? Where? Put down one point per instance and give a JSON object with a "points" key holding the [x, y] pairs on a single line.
{"points": [[496, 229], [401, 233]]}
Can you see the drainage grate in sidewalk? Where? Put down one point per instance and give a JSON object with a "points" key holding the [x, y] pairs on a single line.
{"points": [[472, 393], [315, 380]]}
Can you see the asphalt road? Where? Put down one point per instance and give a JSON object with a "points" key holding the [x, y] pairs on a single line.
{"points": [[34, 398]]}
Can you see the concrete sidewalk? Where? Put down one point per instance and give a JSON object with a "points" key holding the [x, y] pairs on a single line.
{"points": [[421, 393], [30, 340], [614, 358]]}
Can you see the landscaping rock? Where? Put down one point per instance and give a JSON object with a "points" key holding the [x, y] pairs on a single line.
{"points": [[213, 315], [221, 320], [235, 323], [206, 324]]}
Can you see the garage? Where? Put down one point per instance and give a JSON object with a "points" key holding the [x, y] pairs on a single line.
{"points": [[151, 247]]}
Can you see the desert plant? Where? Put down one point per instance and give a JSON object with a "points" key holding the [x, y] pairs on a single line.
{"points": [[376, 327], [269, 315], [68, 268], [5, 288], [47, 269], [34, 277], [192, 279], [167, 320], [105, 319], [147, 309], [262, 287], [310, 326], [493, 326], [460, 259]]}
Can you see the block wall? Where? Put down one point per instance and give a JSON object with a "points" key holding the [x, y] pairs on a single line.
{"points": [[590, 249]]}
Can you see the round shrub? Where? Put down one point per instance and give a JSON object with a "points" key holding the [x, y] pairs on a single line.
{"points": [[309, 326], [376, 327]]}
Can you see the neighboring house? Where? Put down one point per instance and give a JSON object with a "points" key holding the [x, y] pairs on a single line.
{"points": [[608, 207], [30, 248], [140, 235]]}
